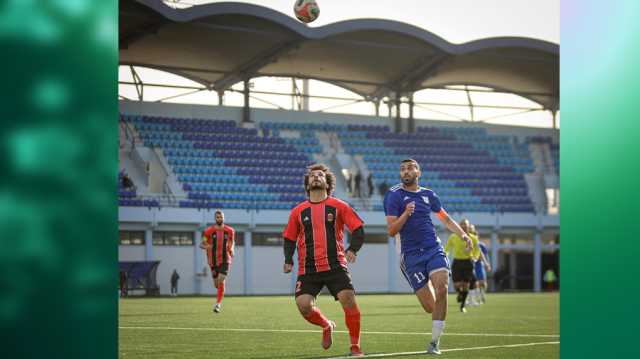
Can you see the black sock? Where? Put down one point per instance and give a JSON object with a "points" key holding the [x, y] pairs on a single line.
{"points": [[459, 297], [464, 298]]}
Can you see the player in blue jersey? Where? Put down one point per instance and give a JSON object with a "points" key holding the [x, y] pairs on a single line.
{"points": [[481, 275], [408, 208]]}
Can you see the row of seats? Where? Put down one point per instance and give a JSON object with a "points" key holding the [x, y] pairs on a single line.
{"points": [[251, 147], [290, 154], [236, 205], [138, 203], [225, 137]]}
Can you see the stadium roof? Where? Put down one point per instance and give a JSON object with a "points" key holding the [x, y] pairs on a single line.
{"points": [[220, 44]]}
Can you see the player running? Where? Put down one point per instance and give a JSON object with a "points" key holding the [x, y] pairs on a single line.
{"points": [[408, 210], [315, 228], [462, 268], [480, 261], [481, 275], [218, 240]]}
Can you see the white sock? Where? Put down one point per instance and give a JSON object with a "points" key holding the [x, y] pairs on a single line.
{"points": [[436, 331]]}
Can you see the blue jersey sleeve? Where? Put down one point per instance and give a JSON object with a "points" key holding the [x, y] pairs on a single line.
{"points": [[391, 205], [436, 206]]}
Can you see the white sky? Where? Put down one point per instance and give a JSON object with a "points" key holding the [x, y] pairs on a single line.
{"points": [[456, 21]]}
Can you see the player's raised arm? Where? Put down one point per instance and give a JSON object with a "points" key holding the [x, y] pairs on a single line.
{"points": [[453, 226]]}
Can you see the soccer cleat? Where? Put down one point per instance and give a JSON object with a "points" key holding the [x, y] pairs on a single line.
{"points": [[433, 348], [217, 308], [463, 309], [327, 335], [355, 351]]}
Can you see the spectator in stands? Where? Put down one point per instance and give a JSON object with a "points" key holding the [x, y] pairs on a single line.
{"points": [[383, 188], [350, 183], [123, 283], [127, 183], [370, 184], [356, 185], [174, 283]]}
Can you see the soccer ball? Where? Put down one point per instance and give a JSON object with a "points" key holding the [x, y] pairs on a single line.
{"points": [[306, 10]]}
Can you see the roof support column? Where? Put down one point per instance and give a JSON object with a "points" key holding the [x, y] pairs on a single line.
{"points": [[412, 121], [305, 95], [466, 88], [220, 98], [398, 122], [554, 119], [246, 110], [376, 106]]}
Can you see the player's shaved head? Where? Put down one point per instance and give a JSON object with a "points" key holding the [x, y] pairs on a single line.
{"points": [[219, 216]]}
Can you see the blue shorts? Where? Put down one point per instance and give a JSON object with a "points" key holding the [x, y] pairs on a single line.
{"points": [[480, 273], [418, 265]]}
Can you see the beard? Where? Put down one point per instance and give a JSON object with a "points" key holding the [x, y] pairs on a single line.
{"points": [[219, 222], [409, 180], [317, 185]]}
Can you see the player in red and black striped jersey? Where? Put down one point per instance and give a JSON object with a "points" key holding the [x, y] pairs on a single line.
{"points": [[218, 240], [315, 229]]}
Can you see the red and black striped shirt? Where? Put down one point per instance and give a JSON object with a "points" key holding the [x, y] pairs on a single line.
{"points": [[317, 229], [220, 243]]}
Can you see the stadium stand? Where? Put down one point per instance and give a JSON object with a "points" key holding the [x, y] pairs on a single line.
{"points": [[129, 196], [215, 160]]}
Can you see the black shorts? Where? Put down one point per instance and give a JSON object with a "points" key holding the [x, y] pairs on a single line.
{"points": [[221, 269], [336, 280], [462, 270]]}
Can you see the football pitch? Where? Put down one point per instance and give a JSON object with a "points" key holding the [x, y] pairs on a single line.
{"points": [[507, 326]]}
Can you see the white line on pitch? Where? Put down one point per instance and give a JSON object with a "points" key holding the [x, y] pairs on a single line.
{"points": [[451, 350], [343, 331]]}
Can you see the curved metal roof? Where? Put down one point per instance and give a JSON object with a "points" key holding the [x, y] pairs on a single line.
{"points": [[219, 44]]}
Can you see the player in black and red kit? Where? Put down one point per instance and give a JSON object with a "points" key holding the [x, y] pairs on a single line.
{"points": [[315, 228], [218, 240]]}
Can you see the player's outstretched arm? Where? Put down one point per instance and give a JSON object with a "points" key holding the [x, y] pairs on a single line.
{"points": [[453, 226], [203, 243]]}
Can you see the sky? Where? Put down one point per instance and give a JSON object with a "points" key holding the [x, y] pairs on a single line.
{"points": [[456, 21]]}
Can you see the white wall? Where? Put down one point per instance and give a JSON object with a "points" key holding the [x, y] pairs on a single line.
{"points": [[175, 257], [130, 253]]}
